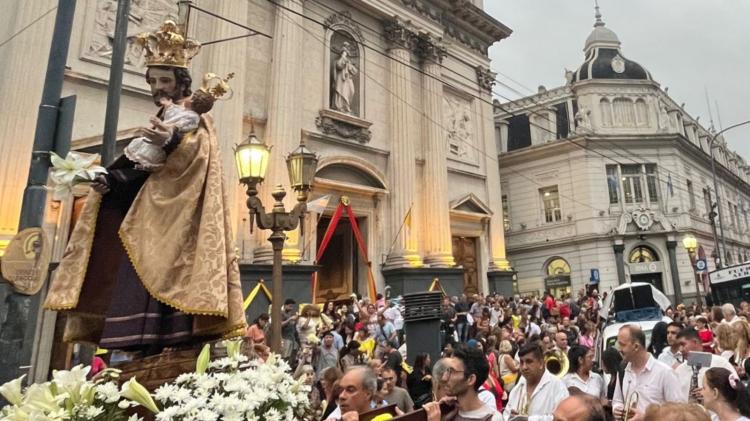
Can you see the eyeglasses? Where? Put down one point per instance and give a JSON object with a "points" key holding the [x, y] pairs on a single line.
{"points": [[451, 371]]}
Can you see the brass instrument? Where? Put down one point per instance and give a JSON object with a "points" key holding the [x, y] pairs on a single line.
{"points": [[630, 405], [556, 363]]}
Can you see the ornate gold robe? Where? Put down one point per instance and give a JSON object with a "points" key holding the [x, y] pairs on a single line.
{"points": [[178, 237]]}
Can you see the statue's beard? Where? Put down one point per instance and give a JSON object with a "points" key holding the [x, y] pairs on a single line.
{"points": [[174, 96]]}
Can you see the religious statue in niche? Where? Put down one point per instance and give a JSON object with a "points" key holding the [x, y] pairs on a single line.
{"points": [[459, 126], [664, 123], [344, 74], [583, 118], [145, 15]]}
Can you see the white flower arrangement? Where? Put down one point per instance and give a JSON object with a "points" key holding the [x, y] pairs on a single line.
{"points": [[73, 170], [234, 388], [69, 396]]}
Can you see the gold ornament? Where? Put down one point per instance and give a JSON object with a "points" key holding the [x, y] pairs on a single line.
{"points": [[216, 86], [168, 47]]}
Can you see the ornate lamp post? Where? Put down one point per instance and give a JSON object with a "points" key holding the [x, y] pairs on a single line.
{"points": [[691, 245], [251, 157]]}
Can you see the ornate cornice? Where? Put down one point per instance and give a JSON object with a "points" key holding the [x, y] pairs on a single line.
{"points": [[398, 35], [344, 18], [430, 49], [485, 78]]}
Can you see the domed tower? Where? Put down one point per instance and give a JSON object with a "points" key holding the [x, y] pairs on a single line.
{"points": [[604, 60]]}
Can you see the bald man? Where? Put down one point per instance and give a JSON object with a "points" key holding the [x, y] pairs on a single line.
{"points": [[581, 407]]}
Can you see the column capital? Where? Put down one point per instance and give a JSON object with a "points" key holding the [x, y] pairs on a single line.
{"points": [[671, 244], [618, 248], [485, 78], [430, 49], [398, 35]]}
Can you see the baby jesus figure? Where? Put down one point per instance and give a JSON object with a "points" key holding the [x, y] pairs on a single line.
{"points": [[147, 150]]}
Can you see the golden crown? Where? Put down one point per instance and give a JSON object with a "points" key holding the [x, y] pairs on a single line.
{"points": [[167, 46], [215, 86]]}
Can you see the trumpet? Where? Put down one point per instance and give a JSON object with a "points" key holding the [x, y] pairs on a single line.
{"points": [[630, 405], [556, 362]]}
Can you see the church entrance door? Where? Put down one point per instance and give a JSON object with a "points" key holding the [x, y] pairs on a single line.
{"points": [[465, 254], [338, 275]]}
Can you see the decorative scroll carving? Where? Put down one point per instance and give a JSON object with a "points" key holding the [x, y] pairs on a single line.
{"points": [[344, 125], [424, 9], [145, 16], [486, 78], [344, 18], [459, 126], [398, 35], [429, 48]]}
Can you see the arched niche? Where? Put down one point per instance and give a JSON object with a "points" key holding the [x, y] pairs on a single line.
{"points": [[344, 35]]}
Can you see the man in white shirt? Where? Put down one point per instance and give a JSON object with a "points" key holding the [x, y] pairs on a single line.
{"points": [[654, 381], [538, 392], [671, 355], [690, 341], [729, 313]]}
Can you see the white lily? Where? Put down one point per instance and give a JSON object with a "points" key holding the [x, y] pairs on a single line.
{"points": [[203, 359], [11, 391], [40, 397], [137, 393], [71, 381], [75, 165]]}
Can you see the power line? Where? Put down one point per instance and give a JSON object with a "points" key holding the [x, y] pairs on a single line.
{"points": [[413, 107], [2, 44], [324, 25]]}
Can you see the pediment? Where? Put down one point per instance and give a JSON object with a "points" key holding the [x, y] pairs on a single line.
{"points": [[472, 204]]}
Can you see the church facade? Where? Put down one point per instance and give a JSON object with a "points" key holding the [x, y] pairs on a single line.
{"points": [[603, 177], [395, 97]]}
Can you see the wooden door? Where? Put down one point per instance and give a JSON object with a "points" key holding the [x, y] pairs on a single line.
{"points": [[465, 254], [336, 272]]}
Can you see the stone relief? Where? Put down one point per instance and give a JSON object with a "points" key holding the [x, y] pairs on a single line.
{"points": [[583, 119], [486, 78], [459, 127], [144, 16]]}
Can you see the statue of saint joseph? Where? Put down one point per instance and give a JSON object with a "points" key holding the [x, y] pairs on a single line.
{"points": [[151, 262]]}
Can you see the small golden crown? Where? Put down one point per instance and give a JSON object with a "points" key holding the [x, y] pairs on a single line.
{"points": [[167, 46], [216, 86]]}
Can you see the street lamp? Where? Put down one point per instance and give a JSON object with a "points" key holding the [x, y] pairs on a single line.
{"points": [[252, 157], [722, 256], [691, 245]]}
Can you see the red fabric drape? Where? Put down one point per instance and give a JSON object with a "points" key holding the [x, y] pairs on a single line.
{"points": [[371, 290]]}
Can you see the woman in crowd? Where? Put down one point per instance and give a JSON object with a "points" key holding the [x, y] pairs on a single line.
{"points": [[581, 360], [741, 356], [350, 355], [507, 365], [705, 333], [329, 381], [588, 331], [612, 362], [726, 342], [419, 381], [725, 395], [255, 332], [658, 339]]}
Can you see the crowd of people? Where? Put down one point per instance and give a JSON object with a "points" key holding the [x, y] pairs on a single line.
{"points": [[520, 358]]}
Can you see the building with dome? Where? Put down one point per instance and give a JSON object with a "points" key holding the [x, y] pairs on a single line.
{"points": [[603, 177]]}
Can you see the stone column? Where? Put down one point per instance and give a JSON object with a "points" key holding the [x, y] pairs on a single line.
{"points": [[23, 64], [284, 126], [497, 258], [502, 125], [674, 271], [403, 155], [222, 59], [619, 250], [435, 203]]}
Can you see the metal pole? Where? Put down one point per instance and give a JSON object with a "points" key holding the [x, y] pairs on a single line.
{"points": [[722, 254], [277, 242], [18, 329], [696, 276], [119, 44]]}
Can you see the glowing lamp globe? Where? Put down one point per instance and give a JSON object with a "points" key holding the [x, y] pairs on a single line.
{"points": [[251, 157]]}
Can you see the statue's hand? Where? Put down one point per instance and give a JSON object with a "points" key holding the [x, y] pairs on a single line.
{"points": [[157, 136], [100, 184]]}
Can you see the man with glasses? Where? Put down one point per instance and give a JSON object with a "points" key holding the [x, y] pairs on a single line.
{"points": [[671, 355], [394, 394], [465, 372]]}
